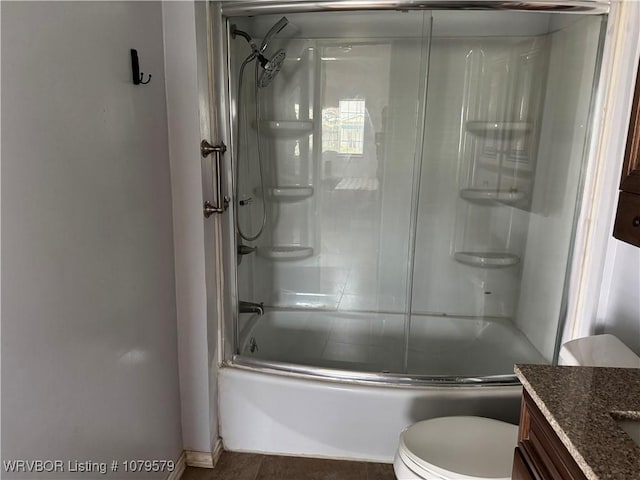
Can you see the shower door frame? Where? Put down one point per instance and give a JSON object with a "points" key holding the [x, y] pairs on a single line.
{"points": [[266, 7], [222, 115]]}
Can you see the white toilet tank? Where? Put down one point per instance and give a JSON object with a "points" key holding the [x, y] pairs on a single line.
{"points": [[598, 351]]}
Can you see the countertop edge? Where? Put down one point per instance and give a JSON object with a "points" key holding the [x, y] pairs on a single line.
{"points": [[566, 441]]}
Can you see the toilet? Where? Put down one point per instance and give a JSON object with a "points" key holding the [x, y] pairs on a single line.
{"points": [[477, 448], [598, 351], [445, 448]]}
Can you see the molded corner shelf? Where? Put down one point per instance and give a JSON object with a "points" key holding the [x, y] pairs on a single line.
{"points": [[487, 259], [484, 196], [502, 128], [287, 128], [289, 193], [285, 252]]}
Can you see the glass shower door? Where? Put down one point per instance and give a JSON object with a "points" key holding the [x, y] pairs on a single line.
{"points": [[504, 148], [338, 128]]}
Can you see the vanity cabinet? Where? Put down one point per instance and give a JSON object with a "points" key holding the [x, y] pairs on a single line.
{"points": [[540, 455], [520, 469], [627, 224]]}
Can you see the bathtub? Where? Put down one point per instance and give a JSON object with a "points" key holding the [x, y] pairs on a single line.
{"points": [[290, 414], [292, 391]]}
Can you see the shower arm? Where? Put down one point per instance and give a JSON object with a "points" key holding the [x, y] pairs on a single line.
{"points": [[256, 53], [236, 31], [273, 31]]}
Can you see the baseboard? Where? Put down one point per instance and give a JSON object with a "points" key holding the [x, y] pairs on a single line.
{"points": [[194, 458], [199, 459], [217, 451], [179, 468]]}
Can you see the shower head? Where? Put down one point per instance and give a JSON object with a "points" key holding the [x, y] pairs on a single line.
{"points": [[280, 24], [270, 68]]}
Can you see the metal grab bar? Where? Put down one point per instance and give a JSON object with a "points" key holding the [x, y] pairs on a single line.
{"points": [[221, 203]]}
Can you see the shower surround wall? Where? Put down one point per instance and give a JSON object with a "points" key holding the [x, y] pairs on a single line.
{"points": [[476, 80], [529, 293], [350, 208], [563, 144]]}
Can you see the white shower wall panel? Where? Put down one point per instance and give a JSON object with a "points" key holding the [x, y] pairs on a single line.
{"points": [[402, 137], [475, 23], [357, 220], [441, 284], [291, 223], [562, 145], [291, 96]]}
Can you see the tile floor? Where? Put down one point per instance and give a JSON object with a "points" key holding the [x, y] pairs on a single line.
{"points": [[250, 466]]}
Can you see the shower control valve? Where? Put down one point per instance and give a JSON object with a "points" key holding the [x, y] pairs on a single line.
{"points": [[246, 201]]}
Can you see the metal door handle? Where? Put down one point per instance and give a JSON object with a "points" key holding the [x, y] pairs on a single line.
{"points": [[221, 202]]}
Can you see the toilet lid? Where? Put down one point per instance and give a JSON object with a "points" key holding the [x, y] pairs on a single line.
{"points": [[469, 447]]}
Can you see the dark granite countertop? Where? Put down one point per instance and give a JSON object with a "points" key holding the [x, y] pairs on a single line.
{"points": [[582, 405]]}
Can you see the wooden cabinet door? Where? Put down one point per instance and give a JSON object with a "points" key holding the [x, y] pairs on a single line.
{"points": [[627, 226], [520, 469], [631, 171], [542, 452]]}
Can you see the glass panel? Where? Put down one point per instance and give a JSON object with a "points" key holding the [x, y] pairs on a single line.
{"points": [[504, 148], [338, 129], [466, 216]]}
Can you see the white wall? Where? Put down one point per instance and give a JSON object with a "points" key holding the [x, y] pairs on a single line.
{"points": [[181, 69], [621, 308], [618, 310], [89, 357]]}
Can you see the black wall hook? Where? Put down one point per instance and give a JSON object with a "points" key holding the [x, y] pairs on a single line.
{"points": [[135, 69]]}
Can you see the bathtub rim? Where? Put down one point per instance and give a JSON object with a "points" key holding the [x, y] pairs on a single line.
{"points": [[352, 377]]}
